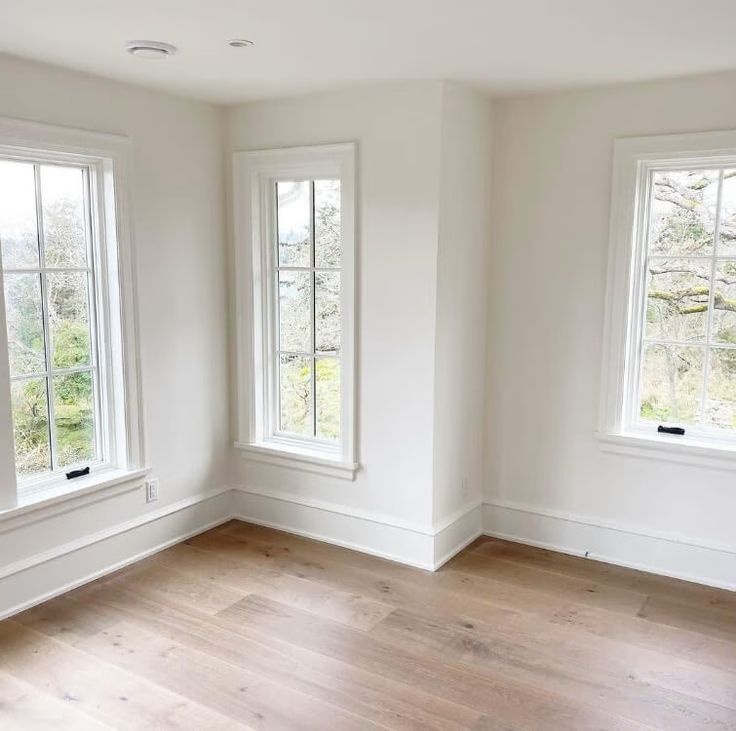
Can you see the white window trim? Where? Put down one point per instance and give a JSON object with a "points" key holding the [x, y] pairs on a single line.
{"points": [[108, 156], [252, 172], [633, 159]]}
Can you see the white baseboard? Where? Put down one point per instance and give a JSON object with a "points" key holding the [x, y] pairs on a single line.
{"points": [[40, 577], [366, 532], [49, 573], [629, 546], [423, 546], [457, 532]]}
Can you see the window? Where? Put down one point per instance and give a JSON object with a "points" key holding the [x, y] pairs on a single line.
{"points": [[672, 292], [71, 368], [297, 250]]}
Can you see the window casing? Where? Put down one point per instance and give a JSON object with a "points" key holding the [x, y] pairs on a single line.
{"points": [[670, 350], [295, 239], [77, 267]]}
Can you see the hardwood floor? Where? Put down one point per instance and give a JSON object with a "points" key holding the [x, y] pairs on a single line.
{"points": [[246, 627]]}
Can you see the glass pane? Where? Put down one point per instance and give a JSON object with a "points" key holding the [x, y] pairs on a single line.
{"points": [[671, 384], [727, 238], [69, 319], [62, 197], [295, 397], [328, 398], [74, 417], [327, 311], [293, 224], [327, 234], [295, 311], [724, 303], [25, 323], [677, 299], [683, 212], [18, 229], [31, 426], [721, 405]]}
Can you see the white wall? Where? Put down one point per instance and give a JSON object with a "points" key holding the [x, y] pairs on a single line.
{"points": [[397, 130], [423, 186], [461, 311], [551, 198], [178, 228]]}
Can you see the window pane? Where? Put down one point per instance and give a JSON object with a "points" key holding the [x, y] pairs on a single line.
{"points": [[25, 323], [31, 426], [74, 417], [724, 303], [683, 212], [293, 224], [295, 311], [677, 299], [721, 406], [295, 397], [18, 229], [727, 238], [671, 384], [327, 311], [62, 197], [328, 398], [69, 318], [327, 234]]}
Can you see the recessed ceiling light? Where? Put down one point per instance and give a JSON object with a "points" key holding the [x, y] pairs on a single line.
{"points": [[150, 49], [240, 43]]}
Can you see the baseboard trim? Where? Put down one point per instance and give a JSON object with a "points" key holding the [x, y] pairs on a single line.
{"points": [[666, 554], [425, 547], [39, 560]]}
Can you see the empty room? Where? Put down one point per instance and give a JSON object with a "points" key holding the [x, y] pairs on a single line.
{"points": [[368, 365]]}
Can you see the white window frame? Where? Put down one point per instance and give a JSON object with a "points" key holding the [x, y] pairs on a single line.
{"points": [[255, 174], [633, 163], [106, 157]]}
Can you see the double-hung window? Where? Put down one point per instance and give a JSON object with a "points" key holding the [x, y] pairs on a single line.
{"points": [[63, 308], [294, 212], [672, 292]]}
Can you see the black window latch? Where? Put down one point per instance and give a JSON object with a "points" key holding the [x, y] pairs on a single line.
{"points": [[671, 430], [77, 473]]}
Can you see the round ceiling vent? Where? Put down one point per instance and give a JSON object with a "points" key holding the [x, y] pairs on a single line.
{"points": [[240, 43], [150, 49]]}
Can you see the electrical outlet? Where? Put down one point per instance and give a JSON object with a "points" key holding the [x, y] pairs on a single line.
{"points": [[151, 490]]}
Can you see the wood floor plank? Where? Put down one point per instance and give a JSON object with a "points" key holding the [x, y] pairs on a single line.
{"points": [[234, 692], [25, 708], [343, 606], [179, 588], [714, 622], [684, 592], [248, 627], [712, 686], [377, 579], [100, 690], [570, 588], [367, 694], [514, 703], [682, 643], [578, 675]]}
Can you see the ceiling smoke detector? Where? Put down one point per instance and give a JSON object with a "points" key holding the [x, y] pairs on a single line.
{"points": [[240, 43], [150, 49]]}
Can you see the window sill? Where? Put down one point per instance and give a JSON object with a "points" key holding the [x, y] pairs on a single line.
{"points": [[670, 449], [79, 492], [298, 460]]}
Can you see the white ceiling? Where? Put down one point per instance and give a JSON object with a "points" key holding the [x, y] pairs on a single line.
{"points": [[504, 46]]}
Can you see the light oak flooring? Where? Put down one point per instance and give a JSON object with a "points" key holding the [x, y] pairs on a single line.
{"points": [[247, 627]]}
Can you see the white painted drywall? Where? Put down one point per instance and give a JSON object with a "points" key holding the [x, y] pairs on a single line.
{"points": [[547, 275], [178, 229], [461, 310], [397, 131]]}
